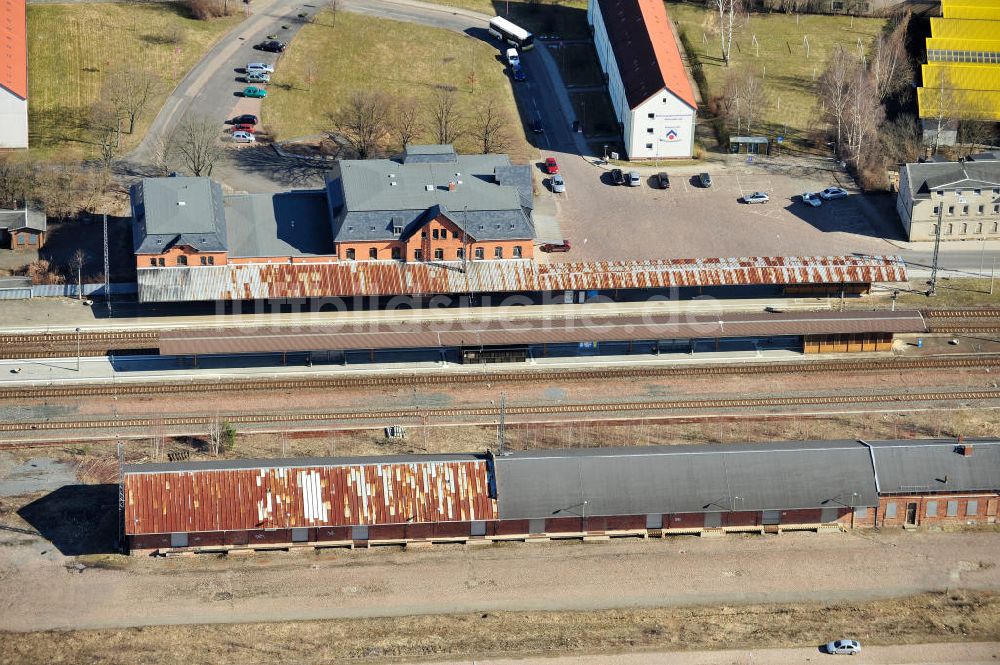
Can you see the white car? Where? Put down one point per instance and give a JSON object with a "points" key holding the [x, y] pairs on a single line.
{"points": [[260, 67], [811, 199], [633, 179], [831, 193], [558, 184], [756, 197], [512, 57], [244, 137], [844, 647]]}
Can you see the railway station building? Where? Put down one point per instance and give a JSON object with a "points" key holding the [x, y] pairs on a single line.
{"points": [[592, 493]]}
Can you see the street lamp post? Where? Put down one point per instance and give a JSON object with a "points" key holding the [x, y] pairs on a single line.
{"points": [[77, 349]]}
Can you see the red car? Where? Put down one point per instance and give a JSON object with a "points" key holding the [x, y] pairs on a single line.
{"points": [[554, 247], [244, 128], [550, 166]]}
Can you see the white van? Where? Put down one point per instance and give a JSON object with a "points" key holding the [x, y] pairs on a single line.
{"points": [[244, 137], [512, 57], [260, 67]]}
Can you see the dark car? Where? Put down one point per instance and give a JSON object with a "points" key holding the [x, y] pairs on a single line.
{"points": [[663, 181], [564, 246], [536, 126], [617, 177], [705, 180], [246, 119], [272, 46], [518, 73]]}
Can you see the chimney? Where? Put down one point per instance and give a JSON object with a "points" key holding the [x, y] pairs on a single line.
{"points": [[966, 450], [452, 186]]}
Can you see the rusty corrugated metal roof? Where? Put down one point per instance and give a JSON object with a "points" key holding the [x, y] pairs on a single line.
{"points": [[457, 333], [286, 496], [385, 278]]}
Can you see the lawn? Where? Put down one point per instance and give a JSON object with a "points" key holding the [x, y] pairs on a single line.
{"points": [[71, 49], [355, 55], [788, 71]]}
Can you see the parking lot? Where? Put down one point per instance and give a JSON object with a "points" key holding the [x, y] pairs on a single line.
{"points": [[604, 221]]}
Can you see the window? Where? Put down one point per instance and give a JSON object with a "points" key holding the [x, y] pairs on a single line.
{"points": [[949, 230], [397, 253], [996, 209], [995, 225], [971, 508], [650, 116], [460, 253], [861, 513], [211, 260], [982, 209], [372, 229], [182, 260], [517, 251], [162, 261], [350, 254], [931, 510], [996, 192], [649, 130], [937, 209], [479, 253], [965, 228], [397, 230], [444, 234], [32, 240], [952, 508], [951, 210], [152, 262], [965, 210], [977, 192], [498, 252], [958, 192], [934, 229], [649, 146], [435, 234], [979, 227], [439, 254], [20, 239], [372, 253], [423, 234], [418, 255], [890, 510], [204, 260]]}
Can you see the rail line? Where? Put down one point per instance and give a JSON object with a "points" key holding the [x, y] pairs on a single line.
{"points": [[511, 376], [424, 415]]}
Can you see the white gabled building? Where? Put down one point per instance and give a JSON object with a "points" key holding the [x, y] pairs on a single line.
{"points": [[13, 74], [650, 90]]}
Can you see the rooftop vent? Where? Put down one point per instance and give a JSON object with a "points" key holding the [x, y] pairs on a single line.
{"points": [[393, 183], [392, 175], [181, 203], [429, 188]]}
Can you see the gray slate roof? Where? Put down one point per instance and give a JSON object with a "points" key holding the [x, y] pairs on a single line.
{"points": [[429, 154], [177, 211], [936, 466], [293, 223], [925, 177], [368, 198], [16, 220], [685, 478]]}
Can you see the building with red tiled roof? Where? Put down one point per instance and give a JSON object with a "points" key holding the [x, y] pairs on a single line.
{"points": [[13, 74], [650, 90]]}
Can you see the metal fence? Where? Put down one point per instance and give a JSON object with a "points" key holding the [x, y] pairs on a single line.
{"points": [[25, 290]]}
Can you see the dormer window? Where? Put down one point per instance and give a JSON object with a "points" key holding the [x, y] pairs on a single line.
{"points": [[397, 230]]}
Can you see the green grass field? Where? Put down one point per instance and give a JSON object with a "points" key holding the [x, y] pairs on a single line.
{"points": [[328, 61], [71, 49], [788, 72]]}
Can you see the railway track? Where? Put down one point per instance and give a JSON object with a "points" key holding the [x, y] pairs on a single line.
{"points": [[511, 376], [962, 321], [425, 415]]}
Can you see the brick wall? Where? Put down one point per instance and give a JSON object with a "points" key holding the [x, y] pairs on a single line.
{"points": [[938, 509], [173, 257]]}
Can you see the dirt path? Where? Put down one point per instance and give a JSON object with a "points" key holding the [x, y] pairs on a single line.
{"points": [[39, 589]]}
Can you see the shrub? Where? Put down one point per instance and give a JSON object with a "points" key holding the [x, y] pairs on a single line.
{"points": [[204, 10]]}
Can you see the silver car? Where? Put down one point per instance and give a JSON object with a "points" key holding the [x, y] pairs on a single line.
{"points": [[633, 179], [756, 197], [258, 77], [558, 184], [844, 647]]}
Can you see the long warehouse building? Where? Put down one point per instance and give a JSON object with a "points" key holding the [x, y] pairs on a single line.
{"points": [[562, 493]]}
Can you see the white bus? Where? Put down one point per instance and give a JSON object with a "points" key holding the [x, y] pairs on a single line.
{"points": [[506, 31]]}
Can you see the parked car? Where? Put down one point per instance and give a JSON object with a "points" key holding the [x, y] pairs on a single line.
{"points": [[254, 91], [756, 197], [244, 127], [271, 46], [512, 57], [245, 119], [831, 193], [705, 180], [243, 137], [558, 184], [810, 198], [260, 67], [258, 77], [662, 181], [633, 179], [844, 647], [564, 246], [551, 167], [536, 126], [617, 177], [517, 73]]}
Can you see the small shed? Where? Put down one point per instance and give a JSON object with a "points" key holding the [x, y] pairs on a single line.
{"points": [[754, 145], [22, 229]]}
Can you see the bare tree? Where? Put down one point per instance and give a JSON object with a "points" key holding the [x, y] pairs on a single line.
{"points": [[364, 122], [445, 119], [76, 262], [863, 117], [62, 187], [406, 121], [492, 128], [196, 142], [974, 134], [129, 90], [946, 111], [333, 6], [890, 65], [221, 435], [835, 87], [16, 178], [727, 19], [106, 129], [746, 99], [899, 139], [161, 153]]}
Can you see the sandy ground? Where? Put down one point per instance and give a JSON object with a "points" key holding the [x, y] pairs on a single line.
{"points": [[41, 588]]}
